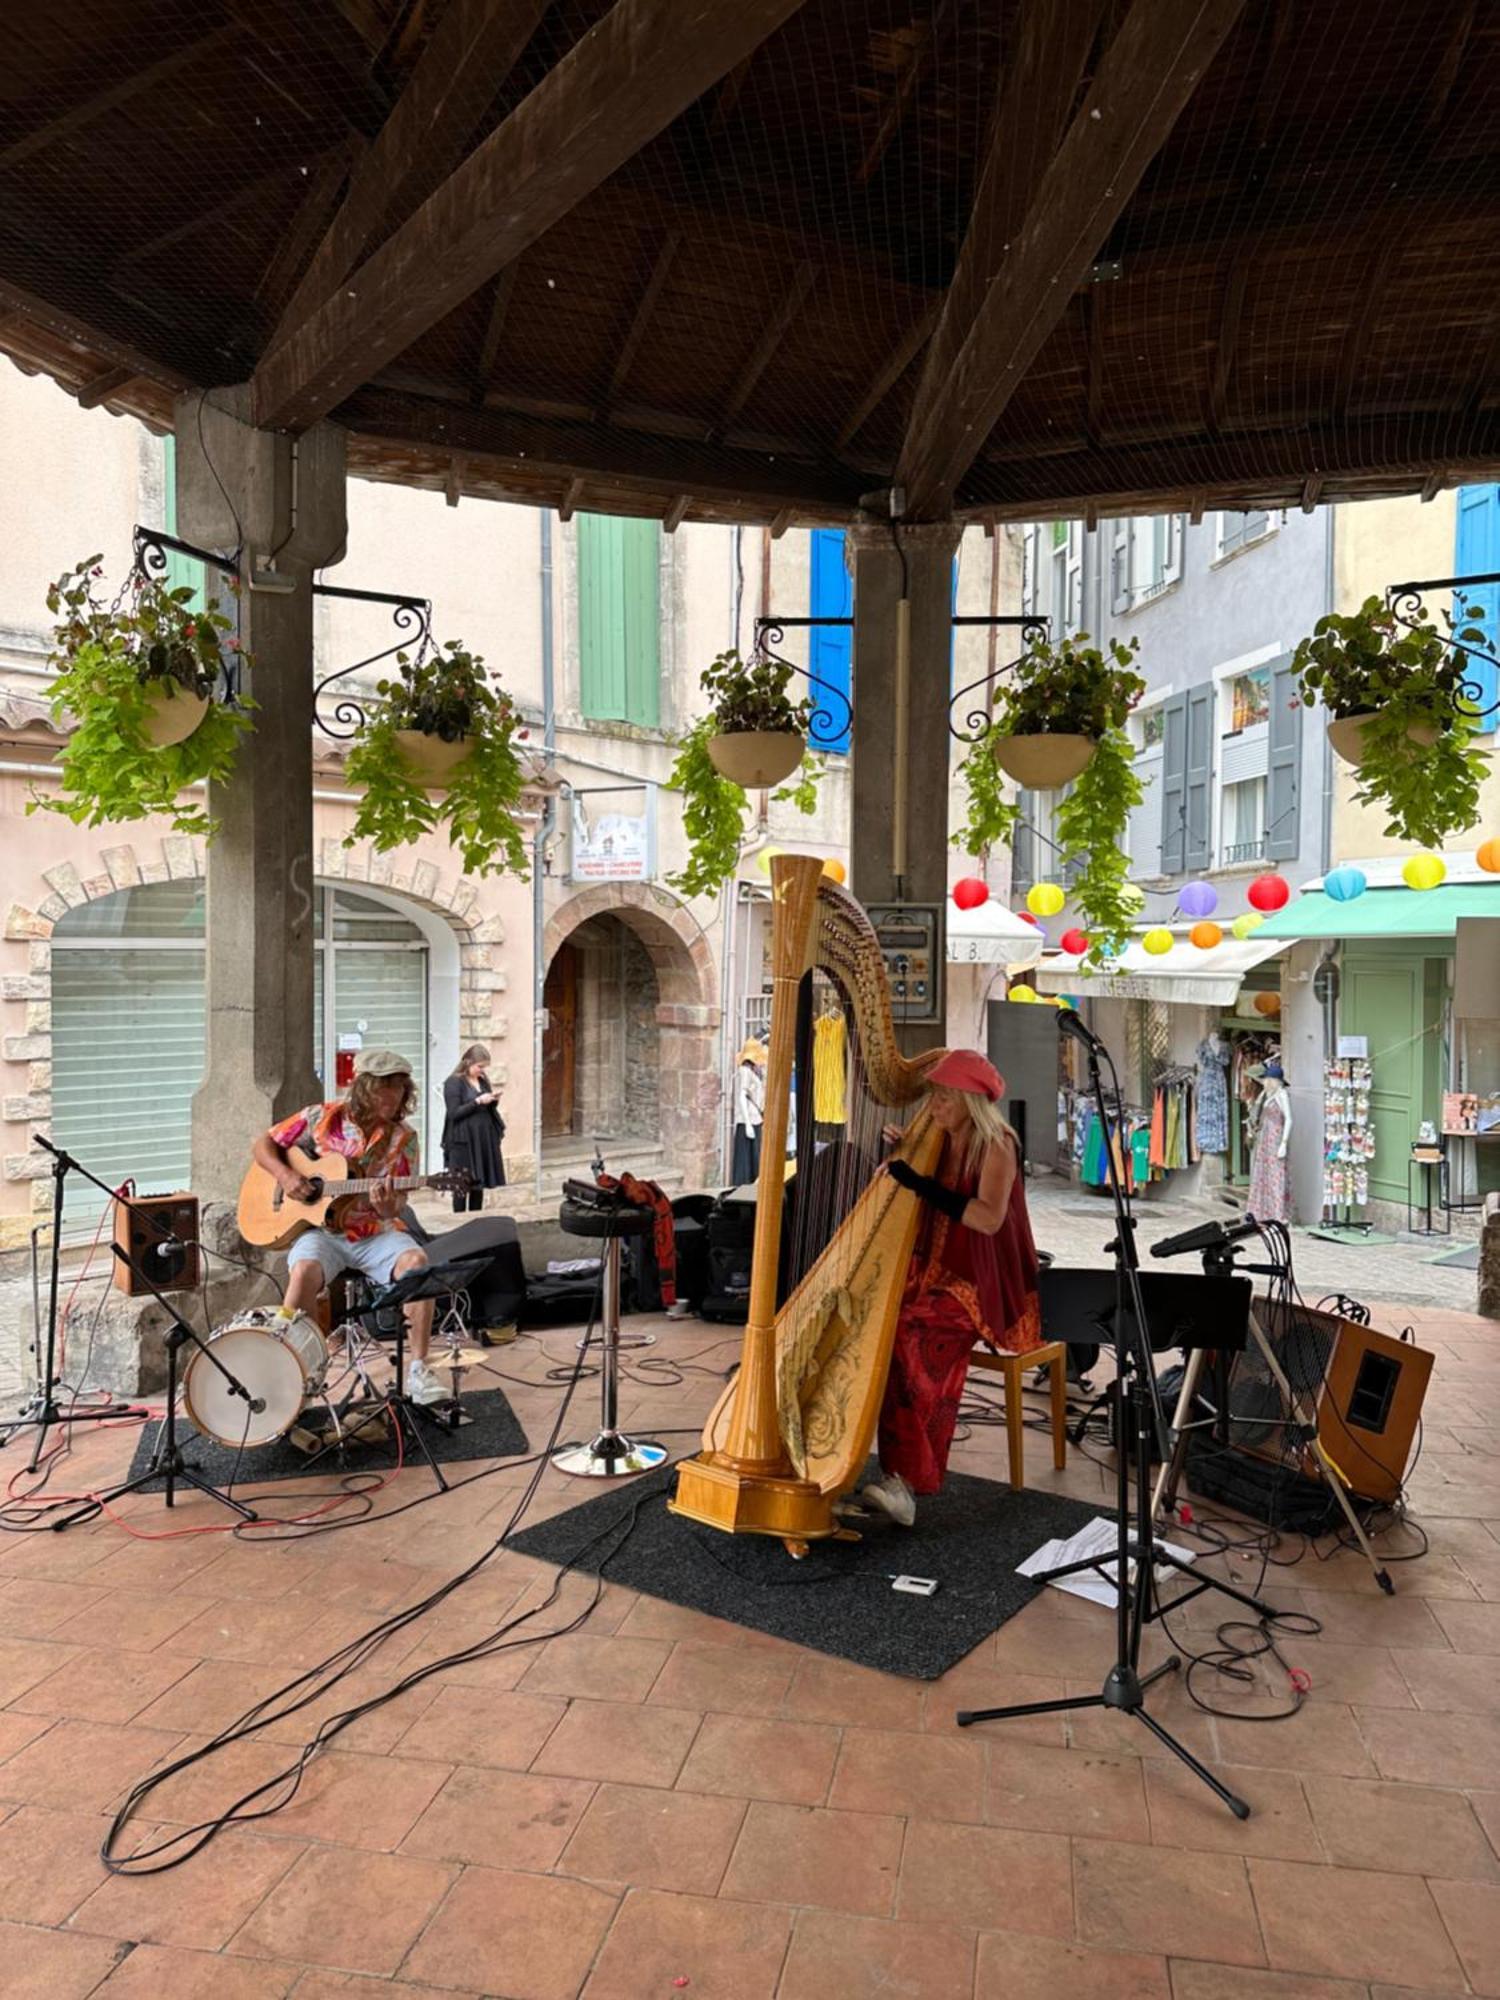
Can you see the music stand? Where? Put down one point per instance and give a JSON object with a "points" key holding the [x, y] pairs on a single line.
{"points": [[430, 1281], [1117, 1299]]}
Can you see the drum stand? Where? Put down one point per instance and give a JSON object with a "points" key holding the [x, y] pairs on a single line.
{"points": [[167, 1461], [611, 1455]]}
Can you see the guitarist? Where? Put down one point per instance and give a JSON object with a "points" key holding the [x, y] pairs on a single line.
{"points": [[369, 1129]]}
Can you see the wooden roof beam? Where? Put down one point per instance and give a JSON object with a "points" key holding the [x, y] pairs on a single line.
{"points": [[494, 329], [474, 47], [1311, 492], [1012, 287], [773, 332], [629, 77], [104, 346], [781, 522], [109, 382], [572, 499], [901, 358], [95, 106], [673, 518], [640, 319], [453, 479], [1382, 248], [1231, 317], [928, 35], [324, 187]]}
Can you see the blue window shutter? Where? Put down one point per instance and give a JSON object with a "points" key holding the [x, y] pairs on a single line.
{"points": [[1283, 775], [1200, 776], [832, 646], [1174, 714], [1479, 554]]}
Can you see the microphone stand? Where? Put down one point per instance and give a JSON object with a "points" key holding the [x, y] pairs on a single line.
{"points": [[47, 1415], [167, 1461], [1125, 1686]]}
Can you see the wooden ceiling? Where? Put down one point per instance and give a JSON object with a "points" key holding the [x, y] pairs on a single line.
{"points": [[761, 260]]}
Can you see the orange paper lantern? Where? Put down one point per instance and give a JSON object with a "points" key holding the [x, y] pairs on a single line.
{"points": [[1206, 936], [1488, 857], [1268, 1003]]}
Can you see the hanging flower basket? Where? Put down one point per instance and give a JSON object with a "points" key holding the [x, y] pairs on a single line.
{"points": [[433, 758], [171, 713], [1347, 734], [1042, 761], [755, 758]]}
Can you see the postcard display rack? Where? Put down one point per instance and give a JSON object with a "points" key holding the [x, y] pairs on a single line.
{"points": [[1348, 1137]]}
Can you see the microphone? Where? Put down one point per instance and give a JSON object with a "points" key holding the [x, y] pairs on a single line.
{"points": [[1207, 1236], [1071, 1022]]}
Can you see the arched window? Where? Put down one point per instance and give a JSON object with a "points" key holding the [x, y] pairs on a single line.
{"points": [[128, 1020]]}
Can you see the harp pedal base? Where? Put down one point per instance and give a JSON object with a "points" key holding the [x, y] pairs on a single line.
{"points": [[753, 1503]]}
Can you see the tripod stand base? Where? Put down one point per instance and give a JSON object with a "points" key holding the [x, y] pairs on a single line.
{"points": [[610, 1456]]}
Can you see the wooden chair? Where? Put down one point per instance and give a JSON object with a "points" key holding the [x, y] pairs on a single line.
{"points": [[1052, 1356]]}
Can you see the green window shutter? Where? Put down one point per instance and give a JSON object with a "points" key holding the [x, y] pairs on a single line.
{"points": [[181, 570], [619, 619]]}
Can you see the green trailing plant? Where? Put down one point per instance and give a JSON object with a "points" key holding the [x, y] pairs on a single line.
{"points": [[1068, 687], [744, 697], [1090, 825], [446, 695], [990, 817], [1367, 664], [110, 660]]}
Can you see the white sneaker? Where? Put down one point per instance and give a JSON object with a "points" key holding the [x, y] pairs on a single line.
{"points": [[893, 1497], [423, 1386]]}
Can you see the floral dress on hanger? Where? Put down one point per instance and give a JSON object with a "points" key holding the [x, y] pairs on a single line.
{"points": [[1270, 1193], [1212, 1058]]}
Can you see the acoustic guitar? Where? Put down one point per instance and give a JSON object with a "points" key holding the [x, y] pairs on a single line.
{"points": [[268, 1216]]}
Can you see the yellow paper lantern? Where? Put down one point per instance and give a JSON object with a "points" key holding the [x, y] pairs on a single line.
{"points": [[1206, 936], [1045, 899], [1488, 856], [764, 859], [1424, 871], [1024, 996], [1132, 897], [1247, 925], [1157, 941], [835, 871]]}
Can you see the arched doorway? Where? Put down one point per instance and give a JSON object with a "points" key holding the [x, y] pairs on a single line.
{"points": [[629, 1044], [601, 1047]]}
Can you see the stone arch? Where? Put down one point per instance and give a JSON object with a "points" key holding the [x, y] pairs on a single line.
{"points": [[687, 1013]]}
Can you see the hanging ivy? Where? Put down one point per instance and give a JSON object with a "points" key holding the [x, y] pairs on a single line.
{"points": [[1090, 825]]}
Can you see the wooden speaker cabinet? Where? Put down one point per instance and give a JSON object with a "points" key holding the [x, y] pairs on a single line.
{"points": [[1366, 1389], [159, 1235]]}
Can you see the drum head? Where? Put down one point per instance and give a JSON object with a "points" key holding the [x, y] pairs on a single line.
{"points": [[267, 1367]]}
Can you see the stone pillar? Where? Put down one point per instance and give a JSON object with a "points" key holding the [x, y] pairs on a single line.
{"points": [[266, 493], [929, 550]]}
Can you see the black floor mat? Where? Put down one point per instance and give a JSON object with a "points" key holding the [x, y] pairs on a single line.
{"points": [[839, 1599], [495, 1433]]}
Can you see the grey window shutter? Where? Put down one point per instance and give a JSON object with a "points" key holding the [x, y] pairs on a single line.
{"points": [[1023, 848], [1284, 774], [1119, 565], [1174, 785], [1200, 777]]}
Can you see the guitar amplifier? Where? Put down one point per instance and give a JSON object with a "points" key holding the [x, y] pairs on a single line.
{"points": [[159, 1235]]}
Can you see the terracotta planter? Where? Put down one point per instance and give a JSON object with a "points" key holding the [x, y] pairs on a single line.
{"points": [[1042, 762], [1347, 735], [755, 758], [433, 758], [172, 714]]}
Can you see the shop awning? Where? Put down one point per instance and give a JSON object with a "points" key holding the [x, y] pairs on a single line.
{"points": [[1183, 976], [1384, 913], [992, 935]]}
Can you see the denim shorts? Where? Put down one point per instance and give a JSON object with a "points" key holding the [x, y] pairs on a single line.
{"points": [[374, 1255]]}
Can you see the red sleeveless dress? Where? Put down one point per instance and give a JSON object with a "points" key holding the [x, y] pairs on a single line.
{"points": [[961, 1287]]}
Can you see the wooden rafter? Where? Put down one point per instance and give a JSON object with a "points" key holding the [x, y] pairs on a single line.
{"points": [[474, 47], [104, 385], [772, 333], [104, 346], [634, 72], [929, 34], [1432, 487], [90, 108], [453, 482], [781, 522], [1004, 301], [1094, 393], [1443, 75], [640, 319], [901, 357], [1311, 493], [673, 518], [241, 196], [1383, 248], [568, 506], [325, 184], [494, 328]]}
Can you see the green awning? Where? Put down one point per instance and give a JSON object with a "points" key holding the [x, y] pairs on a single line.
{"points": [[1383, 913]]}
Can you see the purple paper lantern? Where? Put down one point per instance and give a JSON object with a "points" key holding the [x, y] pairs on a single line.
{"points": [[1198, 899]]}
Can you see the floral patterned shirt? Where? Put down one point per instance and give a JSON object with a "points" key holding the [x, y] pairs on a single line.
{"points": [[388, 1152]]}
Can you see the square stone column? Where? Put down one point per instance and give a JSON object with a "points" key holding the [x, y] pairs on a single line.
{"points": [[928, 549], [279, 499]]}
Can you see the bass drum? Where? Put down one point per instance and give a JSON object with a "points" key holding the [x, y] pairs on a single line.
{"points": [[281, 1362]]}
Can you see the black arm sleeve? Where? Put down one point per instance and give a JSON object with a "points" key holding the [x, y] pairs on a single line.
{"points": [[947, 1201], [460, 1104]]}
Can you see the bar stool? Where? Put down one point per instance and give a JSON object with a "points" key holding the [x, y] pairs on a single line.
{"points": [[1053, 1356], [588, 1211]]}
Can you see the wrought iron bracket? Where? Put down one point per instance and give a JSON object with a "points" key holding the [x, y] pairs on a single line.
{"points": [[151, 549], [412, 618], [977, 721], [1406, 606]]}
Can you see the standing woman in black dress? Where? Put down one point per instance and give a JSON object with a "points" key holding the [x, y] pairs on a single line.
{"points": [[473, 1127]]}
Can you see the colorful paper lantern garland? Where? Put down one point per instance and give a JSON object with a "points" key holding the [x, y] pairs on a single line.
{"points": [[971, 893], [1424, 871], [1198, 899], [835, 871], [1268, 892], [1488, 856], [1074, 941], [1206, 935], [1342, 885], [1267, 1004], [1045, 899], [1024, 996], [1157, 941], [1246, 925]]}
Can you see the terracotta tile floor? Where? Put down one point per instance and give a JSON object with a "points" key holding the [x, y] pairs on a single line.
{"points": [[663, 1803]]}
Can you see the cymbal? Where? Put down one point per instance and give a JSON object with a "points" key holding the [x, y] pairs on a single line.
{"points": [[458, 1357]]}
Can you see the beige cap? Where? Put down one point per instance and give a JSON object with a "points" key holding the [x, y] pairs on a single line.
{"points": [[381, 1062]]}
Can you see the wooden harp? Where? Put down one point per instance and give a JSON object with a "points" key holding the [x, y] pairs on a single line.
{"points": [[793, 1431]]}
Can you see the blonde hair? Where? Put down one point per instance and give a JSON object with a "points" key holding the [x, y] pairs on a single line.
{"points": [[988, 1126]]}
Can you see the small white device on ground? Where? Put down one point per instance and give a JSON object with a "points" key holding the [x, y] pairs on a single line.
{"points": [[915, 1586]]}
